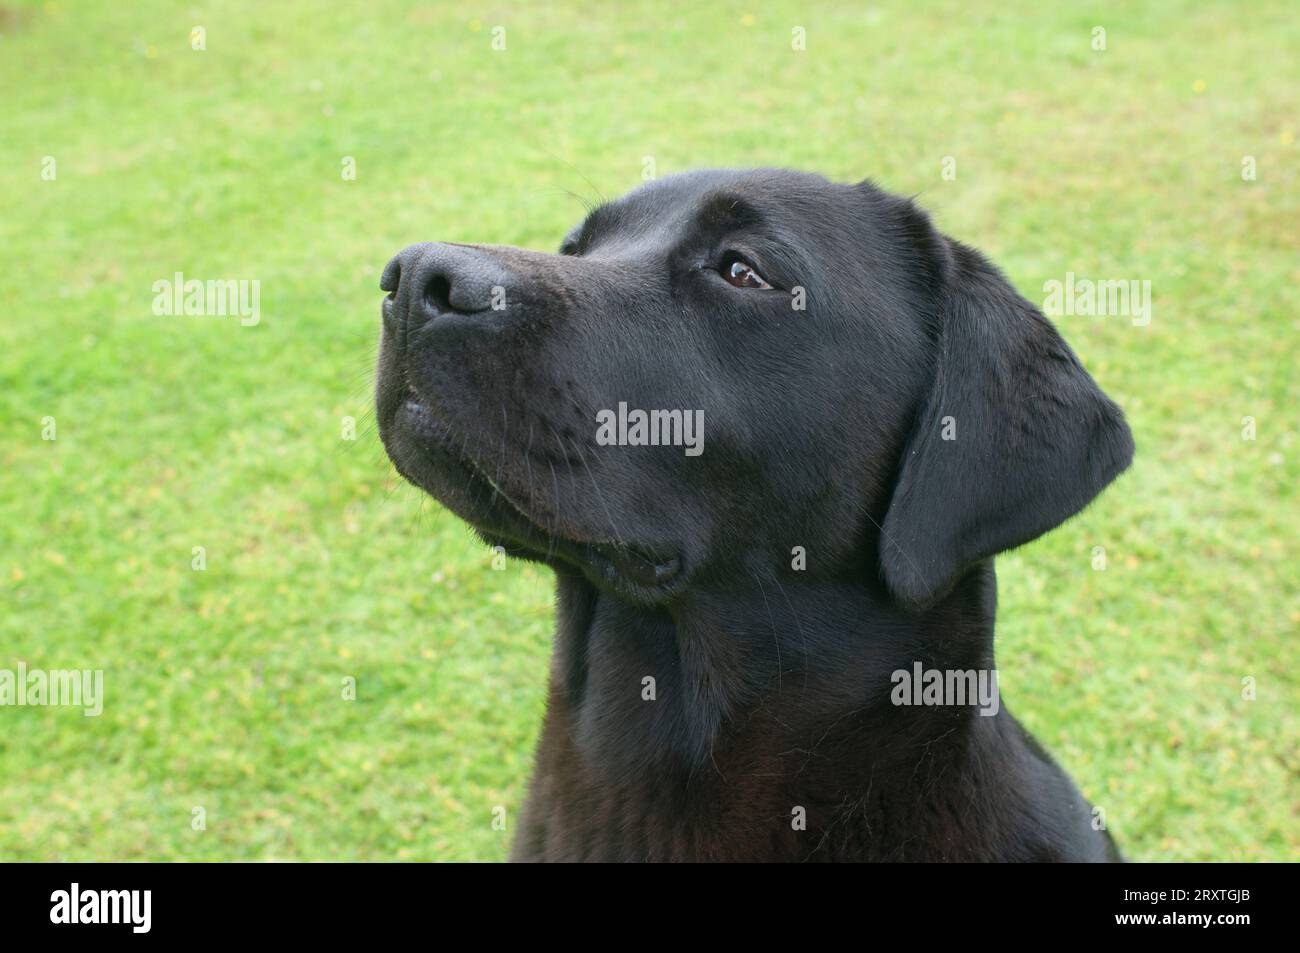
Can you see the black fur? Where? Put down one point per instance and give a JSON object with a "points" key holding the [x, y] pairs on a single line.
{"points": [[823, 434]]}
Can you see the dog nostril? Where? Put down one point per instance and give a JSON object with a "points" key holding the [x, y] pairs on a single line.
{"points": [[438, 294], [391, 277]]}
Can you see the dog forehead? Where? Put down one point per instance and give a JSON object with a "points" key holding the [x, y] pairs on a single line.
{"points": [[660, 209], [685, 193]]}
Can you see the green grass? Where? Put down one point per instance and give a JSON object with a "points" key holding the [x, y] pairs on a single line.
{"points": [[223, 686]]}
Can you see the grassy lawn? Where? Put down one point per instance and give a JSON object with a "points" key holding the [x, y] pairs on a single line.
{"points": [[224, 687]]}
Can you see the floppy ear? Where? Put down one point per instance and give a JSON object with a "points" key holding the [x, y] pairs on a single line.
{"points": [[1014, 438]]}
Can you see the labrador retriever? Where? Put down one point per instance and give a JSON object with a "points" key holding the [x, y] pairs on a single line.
{"points": [[769, 432]]}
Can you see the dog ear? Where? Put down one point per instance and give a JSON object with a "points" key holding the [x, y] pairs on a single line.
{"points": [[1014, 438]]}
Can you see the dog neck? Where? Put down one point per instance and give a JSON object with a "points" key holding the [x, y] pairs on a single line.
{"points": [[643, 689], [767, 725]]}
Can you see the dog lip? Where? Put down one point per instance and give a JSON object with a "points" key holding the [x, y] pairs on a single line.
{"points": [[644, 568], [639, 566]]}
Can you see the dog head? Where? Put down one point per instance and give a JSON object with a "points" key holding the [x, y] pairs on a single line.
{"points": [[724, 372]]}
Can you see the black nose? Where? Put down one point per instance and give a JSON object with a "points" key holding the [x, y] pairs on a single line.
{"points": [[430, 280]]}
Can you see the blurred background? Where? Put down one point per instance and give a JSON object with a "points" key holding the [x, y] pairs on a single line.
{"points": [[199, 505]]}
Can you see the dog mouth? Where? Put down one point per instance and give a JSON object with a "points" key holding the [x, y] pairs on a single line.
{"points": [[647, 570], [639, 572]]}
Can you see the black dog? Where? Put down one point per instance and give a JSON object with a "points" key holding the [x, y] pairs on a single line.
{"points": [[769, 432]]}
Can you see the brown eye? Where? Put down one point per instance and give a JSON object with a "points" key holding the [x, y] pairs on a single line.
{"points": [[741, 273]]}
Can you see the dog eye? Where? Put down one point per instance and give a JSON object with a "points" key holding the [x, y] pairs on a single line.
{"points": [[737, 271]]}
